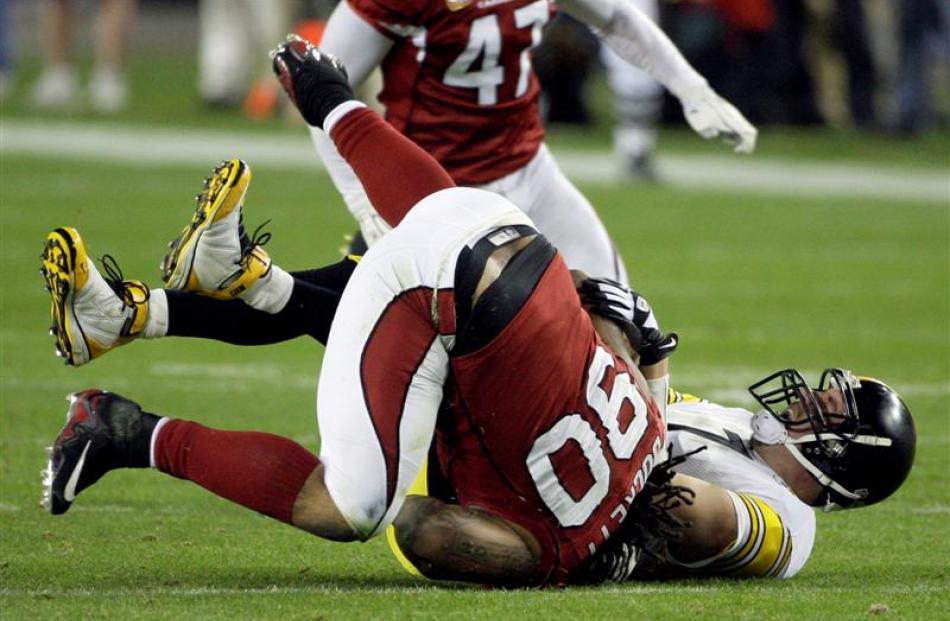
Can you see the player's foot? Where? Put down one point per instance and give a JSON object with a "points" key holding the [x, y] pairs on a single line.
{"points": [[103, 432], [641, 168], [214, 255], [91, 315], [108, 91], [55, 89]]}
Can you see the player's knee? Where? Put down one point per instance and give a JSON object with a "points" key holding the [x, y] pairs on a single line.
{"points": [[315, 511]]}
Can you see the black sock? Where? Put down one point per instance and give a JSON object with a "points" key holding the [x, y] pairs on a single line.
{"points": [[333, 277], [308, 312]]}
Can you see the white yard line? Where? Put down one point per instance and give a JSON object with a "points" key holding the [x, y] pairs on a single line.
{"points": [[135, 145]]}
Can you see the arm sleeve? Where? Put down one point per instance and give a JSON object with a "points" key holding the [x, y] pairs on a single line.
{"points": [[395, 172], [639, 41], [355, 42]]}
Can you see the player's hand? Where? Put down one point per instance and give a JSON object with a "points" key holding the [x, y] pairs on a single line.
{"points": [[710, 115], [633, 313], [316, 82]]}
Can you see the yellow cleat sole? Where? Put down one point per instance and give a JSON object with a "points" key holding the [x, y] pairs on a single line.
{"points": [[223, 192], [65, 269]]}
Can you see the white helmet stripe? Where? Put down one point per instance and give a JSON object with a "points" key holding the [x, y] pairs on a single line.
{"points": [[859, 439]]}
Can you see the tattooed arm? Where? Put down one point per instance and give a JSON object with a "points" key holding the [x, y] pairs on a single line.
{"points": [[452, 542]]}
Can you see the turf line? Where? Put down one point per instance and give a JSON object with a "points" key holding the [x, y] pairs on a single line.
{"points": [[185, 146]]}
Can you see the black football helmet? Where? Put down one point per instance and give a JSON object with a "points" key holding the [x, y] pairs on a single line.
{"points": [[861, 455]]}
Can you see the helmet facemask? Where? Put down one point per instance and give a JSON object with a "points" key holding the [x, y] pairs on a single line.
{"points": [[822, 438]]}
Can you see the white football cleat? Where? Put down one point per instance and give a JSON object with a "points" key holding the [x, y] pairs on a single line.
{"points": [[90, 315], [213, 255]]}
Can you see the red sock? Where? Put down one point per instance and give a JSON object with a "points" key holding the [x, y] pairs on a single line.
{"points": [[261, 471], [395, 172]]}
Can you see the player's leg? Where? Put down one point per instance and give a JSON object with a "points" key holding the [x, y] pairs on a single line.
{"points": [[564, 215], [92, 315], [308, 312], [264, 472], [213, 256], [395, 172], [387, 358], [637, 100]]}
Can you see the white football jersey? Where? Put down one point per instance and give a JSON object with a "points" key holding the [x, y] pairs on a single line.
{"points": [[779, 529]]}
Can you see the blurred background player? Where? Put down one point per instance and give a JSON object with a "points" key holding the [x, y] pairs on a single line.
{"points": [[924, 27], [233, 39], [458, 80], [6, 50], [58, 85], [637, 100]]}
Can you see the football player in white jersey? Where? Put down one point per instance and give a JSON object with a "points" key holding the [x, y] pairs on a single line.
{"points": [[847, 443]]}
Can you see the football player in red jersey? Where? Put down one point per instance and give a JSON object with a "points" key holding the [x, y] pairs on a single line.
{"points": [[458, 81], [551, 435]]}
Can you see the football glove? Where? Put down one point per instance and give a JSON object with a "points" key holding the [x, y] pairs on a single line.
{"points": [[316, 82], [710, 115], [632, 313]]}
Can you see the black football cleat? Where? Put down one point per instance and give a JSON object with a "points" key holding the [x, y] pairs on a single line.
{"points": [[103, 431]]}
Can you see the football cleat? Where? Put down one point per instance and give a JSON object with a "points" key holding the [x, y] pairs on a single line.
{"points": [[90, 314], [214, 255], [103, 432]]}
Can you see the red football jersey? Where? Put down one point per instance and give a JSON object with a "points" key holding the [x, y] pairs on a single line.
{"points": [[549, 428], [459, 80]]}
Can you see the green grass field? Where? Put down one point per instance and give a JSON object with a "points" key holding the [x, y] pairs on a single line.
{"points": [[753, 283]]}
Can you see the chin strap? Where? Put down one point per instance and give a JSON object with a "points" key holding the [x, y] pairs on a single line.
{"points": [[769, 430], [820, 476]]}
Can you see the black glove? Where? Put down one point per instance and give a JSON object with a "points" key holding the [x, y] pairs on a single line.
{"points": [[316, 82], [632, 313]]}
